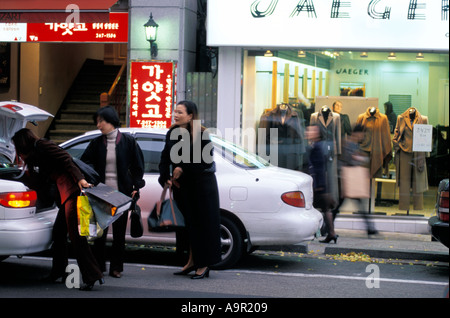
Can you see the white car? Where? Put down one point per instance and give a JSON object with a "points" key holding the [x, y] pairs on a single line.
{"points": [[260, 204], [26, 219]]}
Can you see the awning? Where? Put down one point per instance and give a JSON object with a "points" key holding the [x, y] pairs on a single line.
{"points": [[42, 11]]}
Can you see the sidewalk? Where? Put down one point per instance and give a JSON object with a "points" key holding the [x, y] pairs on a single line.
{"points": [[399, 238]]}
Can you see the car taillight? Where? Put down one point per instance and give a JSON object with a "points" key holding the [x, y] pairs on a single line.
{"points": [[443, 201], [18, 199], [443, 206], [295, 198]]}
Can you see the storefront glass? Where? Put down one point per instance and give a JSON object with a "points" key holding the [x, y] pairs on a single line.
{"points": [[300, 84]]}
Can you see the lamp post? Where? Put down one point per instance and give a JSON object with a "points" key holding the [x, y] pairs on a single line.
{"points": [[151, 31]]}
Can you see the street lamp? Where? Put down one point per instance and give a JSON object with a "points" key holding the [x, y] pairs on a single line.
{"points": [[151, 31]]}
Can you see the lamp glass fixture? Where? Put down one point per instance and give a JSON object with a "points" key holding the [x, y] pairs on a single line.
{"points": [[392, 56], [420, 56], [151, 29], [364, 54], [268, 53], [301, 54]]}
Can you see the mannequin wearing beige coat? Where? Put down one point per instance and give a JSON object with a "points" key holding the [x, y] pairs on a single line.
{"points": [[411, 166]]}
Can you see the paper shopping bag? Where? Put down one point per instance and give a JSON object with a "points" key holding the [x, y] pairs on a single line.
{"points": [[107, 203]]}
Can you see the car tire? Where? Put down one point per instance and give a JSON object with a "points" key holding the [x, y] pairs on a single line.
{"points": [[232, 243]]}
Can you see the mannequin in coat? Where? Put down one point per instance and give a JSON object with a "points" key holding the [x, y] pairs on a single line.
{"points": [[330, 130], [411, 166], [290, 138], [377, 140]]}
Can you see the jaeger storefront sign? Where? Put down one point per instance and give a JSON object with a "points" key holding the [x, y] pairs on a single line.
{"points": [[380, 24]]}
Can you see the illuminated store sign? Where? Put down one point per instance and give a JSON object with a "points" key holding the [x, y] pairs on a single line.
{"points": [[383, 24], [115, 31], [152, 94]]}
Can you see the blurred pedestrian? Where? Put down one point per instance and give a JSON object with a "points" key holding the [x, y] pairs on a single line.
{"points": [[119, 161], [346, 131], [317, 169], [353, 156], [392, 117], [46, 160], [188, 152]]}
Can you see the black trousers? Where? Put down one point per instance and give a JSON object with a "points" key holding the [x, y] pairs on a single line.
{"points": [[117, 256], [67, 223]]}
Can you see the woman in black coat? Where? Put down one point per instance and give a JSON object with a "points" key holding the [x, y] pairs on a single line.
{"points": [[46, 160], [119, 161], [188, 152]]}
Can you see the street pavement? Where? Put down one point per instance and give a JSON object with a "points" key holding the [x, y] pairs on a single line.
{"points": [[386, 245]]}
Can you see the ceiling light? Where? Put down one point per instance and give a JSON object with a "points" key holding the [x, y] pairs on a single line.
{"points": [[364, 54], [268, 53], [301, 54], [392, 56], [420, 56]]}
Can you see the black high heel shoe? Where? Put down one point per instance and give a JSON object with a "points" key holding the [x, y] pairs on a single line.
{"points": [[89, 286], [185, 271], [202, 275], [328, 239]]}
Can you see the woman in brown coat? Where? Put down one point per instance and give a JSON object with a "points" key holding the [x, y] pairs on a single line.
{"points": [[45, 159]]}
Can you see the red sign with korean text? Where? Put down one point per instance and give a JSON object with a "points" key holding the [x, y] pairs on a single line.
{"points": [[152, 94], [116, 31]]}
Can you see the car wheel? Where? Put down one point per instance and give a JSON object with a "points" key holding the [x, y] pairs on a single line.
{"points": [[232, 243]]}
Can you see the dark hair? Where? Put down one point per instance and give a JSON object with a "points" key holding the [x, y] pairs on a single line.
{"points": [[24, 141], [389, 107], [191, 108], [108, 114]]}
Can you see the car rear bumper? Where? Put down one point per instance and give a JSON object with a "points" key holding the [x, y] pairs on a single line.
{"points": [[29, 235], [289, 226], [439, 230]]}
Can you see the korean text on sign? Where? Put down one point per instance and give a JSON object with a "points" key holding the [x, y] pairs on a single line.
{"points": [[151, 94]]}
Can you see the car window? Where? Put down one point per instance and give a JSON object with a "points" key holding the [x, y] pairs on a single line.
{"points": [[237, 155], [151, 149], [76, 150]]}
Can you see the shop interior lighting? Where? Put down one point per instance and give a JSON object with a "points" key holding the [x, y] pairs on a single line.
{"points": [[301, 54], [392, 56], [420, 56], [364, 54], [268, 53], [151, 31]]}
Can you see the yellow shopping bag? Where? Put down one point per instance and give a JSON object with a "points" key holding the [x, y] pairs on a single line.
{"points": [[87, 225]]}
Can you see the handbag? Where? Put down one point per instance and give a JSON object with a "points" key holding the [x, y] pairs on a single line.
{"points": [[355, 182], [87, 225], [107, 203], [89, 173], [165, 216], [136, 227]]}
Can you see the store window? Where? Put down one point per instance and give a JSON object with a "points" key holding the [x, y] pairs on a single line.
{"points": [[287, 92]]}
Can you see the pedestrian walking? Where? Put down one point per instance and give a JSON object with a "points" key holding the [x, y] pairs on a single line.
{"points": [[46, 160], [119, 161], [317, 169], [188, 153], [353, 156]]}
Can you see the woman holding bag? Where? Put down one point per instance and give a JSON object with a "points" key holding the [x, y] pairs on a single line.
{"points": [[188, 152], [45, 159], [119, 161]]}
